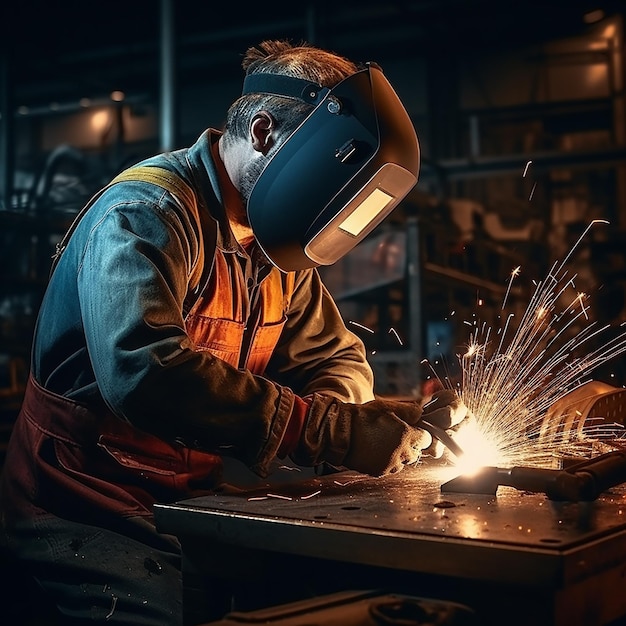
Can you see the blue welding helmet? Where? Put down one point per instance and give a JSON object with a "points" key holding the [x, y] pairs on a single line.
{"points": [[340, 173]]}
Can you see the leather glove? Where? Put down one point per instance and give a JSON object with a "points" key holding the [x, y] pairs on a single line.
{"points": [[445, 410], [377, 438]]}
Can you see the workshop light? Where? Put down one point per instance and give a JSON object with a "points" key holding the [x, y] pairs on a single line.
{"points": [[609, 31], [117, 96], [99, 120], [593, 16]]}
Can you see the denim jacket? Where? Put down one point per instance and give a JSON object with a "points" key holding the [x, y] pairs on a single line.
{"points": [[112, 328]]}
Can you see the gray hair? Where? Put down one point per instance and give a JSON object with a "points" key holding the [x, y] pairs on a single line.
{"points": [[281, 57]]}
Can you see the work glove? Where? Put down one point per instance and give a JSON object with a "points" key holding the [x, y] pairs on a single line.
{"points": [[444, 410], [377, 437]]}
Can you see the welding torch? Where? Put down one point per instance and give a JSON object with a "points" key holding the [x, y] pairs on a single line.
{"points": [[583, 481], [442, 435], [443, 412]]}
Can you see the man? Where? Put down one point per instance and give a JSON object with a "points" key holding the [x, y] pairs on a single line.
{"points": [[184, 320]]}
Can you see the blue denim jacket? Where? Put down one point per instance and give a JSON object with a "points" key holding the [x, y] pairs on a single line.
{"points": [[111, 325]]}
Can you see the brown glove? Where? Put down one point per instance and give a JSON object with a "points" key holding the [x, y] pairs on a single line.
{"points": [[375, 438], [446, 410]]}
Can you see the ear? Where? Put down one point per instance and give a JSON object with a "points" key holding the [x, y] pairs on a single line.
{"points": [[261, 129]]}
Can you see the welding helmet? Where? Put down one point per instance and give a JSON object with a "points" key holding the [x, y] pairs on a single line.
{"points": [[338, 175]]}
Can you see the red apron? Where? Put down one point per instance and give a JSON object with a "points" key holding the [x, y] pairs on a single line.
{"points": [[66, 456]]}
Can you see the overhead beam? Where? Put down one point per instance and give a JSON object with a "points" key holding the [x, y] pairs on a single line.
{"points": [[167, 111]]}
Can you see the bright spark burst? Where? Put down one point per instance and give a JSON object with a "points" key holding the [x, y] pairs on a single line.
{"points": [[509, 384]]}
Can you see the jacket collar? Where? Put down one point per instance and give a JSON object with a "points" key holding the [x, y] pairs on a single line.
{"points": [[205, 172]]}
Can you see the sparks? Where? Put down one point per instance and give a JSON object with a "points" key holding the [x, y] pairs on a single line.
{"points": [[526, 169], [369, 330], [509, 386], [580, 298], [113, 605], [395, 333], [514, 273], [311, 495], [472, 349], [278, 496]]}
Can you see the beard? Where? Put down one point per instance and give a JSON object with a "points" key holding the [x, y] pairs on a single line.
{"points": [[249, 176]]}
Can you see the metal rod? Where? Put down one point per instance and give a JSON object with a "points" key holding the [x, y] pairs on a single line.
{"points": [[167, 115], [414, 287], [7, 125]]}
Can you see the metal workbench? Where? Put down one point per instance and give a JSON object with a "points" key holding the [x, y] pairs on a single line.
{"points": [[514, 558]]}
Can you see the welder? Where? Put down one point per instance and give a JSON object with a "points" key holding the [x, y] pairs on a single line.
{"points": [[185, 320]]}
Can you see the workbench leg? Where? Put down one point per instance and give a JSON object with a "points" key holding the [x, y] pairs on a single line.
{"points": [[205, 598]]}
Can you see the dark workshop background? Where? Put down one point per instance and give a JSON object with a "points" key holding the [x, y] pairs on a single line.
{"points": [[519, 106]]}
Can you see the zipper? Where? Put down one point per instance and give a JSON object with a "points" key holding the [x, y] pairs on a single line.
{"points": [[253, 315]]}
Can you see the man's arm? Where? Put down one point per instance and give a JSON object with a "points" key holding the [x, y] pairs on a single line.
{"points": [[316, 353], [132, 280]]}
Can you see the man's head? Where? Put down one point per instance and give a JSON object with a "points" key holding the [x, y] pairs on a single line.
{"points": [[320, 149], [266, 120]]}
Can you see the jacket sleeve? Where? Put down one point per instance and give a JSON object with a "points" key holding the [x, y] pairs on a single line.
{"points": [[132, 279], [316, 353]]}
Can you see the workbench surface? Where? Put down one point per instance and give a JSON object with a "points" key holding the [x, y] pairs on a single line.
{"points": [[405, 522]]}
